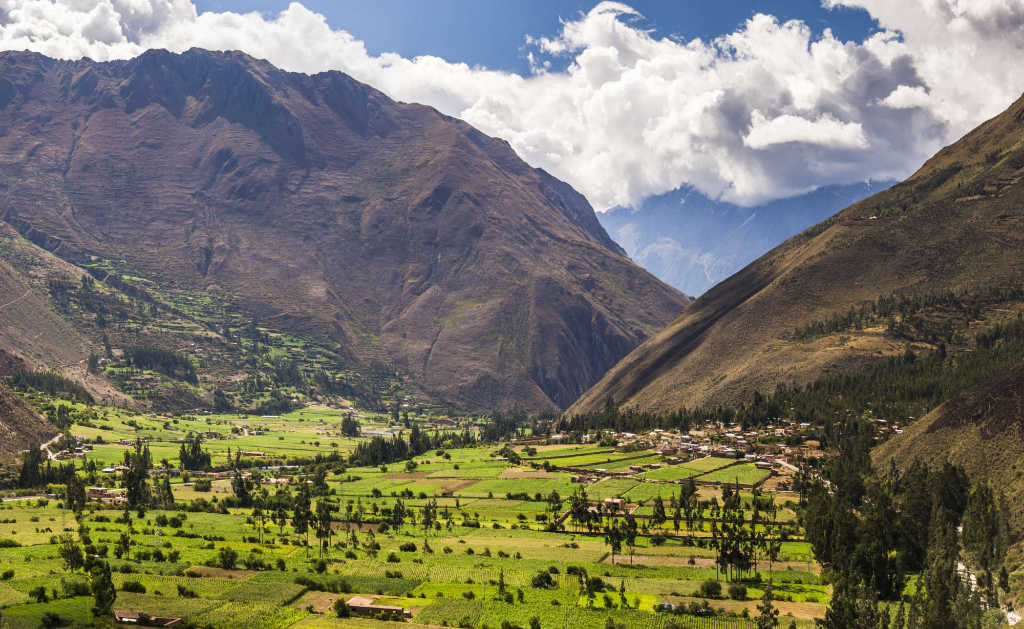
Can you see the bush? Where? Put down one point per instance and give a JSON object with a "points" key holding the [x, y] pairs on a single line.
{"points": [[7, 575], [738, 592], [202, 484], [407, 547], [51, 619], [184, 592], [711, 589], [341, 608], [227, 557], [543, 580], [133, 586]]}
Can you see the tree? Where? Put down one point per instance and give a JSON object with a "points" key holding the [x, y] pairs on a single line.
{"points": [[227, 557], [102, 587], [630, 535], [302, 513], [853, 607], [74, 494], [767, 615], [658, 517], [242, 487], [192, 456], [135, 477], [323, 525], [341, 608], [164, 493], [31, 467], [349, 426], [70, 552], [613, 537]]}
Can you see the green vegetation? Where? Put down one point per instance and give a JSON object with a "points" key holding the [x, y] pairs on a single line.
{"points": [[429, 519]]}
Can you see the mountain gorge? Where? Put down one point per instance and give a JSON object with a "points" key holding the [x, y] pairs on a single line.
{"points": [[693, 242], [925, 264], [212, 205]]}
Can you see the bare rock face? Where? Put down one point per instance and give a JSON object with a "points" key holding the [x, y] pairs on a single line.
{"points": [[329, 209]]}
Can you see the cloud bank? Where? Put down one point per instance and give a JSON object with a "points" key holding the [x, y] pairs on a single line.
{"points": [[765, 112]]}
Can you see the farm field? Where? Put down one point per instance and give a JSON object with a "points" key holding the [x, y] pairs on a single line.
{"points": [[689, 469], [744, 474], [457, 536]]}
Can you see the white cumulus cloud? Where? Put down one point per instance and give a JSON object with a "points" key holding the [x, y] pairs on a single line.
{"points": [[767, 111]]}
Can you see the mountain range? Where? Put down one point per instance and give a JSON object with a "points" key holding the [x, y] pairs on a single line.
{"points": [[693, 242], [294, 230]]}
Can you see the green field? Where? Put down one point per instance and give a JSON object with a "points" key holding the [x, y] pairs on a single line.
{"points": [[495, 523], [745, 473]]}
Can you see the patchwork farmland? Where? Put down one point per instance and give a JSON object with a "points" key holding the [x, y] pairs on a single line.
{"points": [[279, 525]]}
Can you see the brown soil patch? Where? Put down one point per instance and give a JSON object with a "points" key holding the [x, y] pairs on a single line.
{"points": [[322, 602], [521, 473], [454, 487], [221, 573], [802, 611], [707, 562]]}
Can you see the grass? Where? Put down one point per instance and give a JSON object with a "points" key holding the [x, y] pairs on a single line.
{"points": [[483, 536], [745, 473]]}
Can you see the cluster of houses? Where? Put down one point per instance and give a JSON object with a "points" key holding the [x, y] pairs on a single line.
{"points": [[78, 452], [759, 446], [106, 495]]}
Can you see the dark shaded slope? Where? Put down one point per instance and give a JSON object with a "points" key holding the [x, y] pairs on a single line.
{"points": [[20, 425]]}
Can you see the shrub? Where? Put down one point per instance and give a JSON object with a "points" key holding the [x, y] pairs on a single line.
{"points": [[133, 586], [341, 608], [711, 589], [407, 547], [543, 580], [184, 592], [227, 558], [738, 592], [7, 575]]}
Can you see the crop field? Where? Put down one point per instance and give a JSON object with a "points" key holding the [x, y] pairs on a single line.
{"points": [[499, 544], [745, 474]]}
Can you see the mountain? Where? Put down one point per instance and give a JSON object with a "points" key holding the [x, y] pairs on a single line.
{"points": [[20, 425], [693, 242], [302, 231], [925, 263], [981, 429]]}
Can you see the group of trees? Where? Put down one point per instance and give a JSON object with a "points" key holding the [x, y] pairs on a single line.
{"points": [[871, 533], [380, 450], [935, 317], [37, 470], [50, 383], [192, 456], [169, 363]]}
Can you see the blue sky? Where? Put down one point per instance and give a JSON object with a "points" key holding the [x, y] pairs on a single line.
{"points": [[491, 33], [745, 101]]}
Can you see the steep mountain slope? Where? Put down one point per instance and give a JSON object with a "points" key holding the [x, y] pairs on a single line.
{"points": [[955, 225], [693, 242], [324, 209], [20, 425], [981, 429]]}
